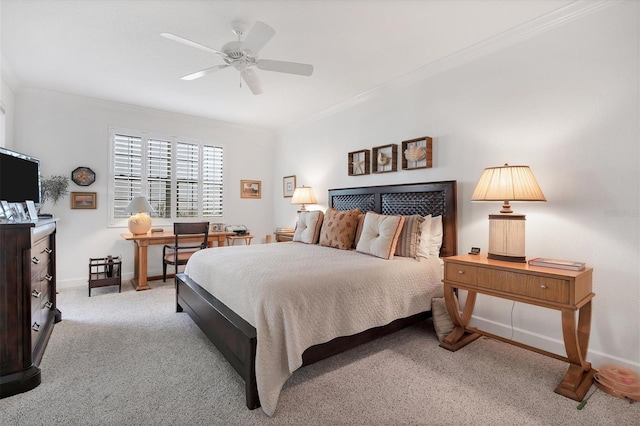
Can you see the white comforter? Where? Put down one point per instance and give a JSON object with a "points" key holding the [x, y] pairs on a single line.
{"points": [[298, 295]]}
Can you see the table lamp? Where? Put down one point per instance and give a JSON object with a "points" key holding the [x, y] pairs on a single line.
{"points": [[506, 229], [303, 195], [139, 223]]}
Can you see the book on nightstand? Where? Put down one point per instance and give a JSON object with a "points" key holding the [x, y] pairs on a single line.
{"points": [[556, 263]]}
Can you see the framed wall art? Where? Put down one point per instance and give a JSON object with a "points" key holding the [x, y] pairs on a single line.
{"points": [[288, 186], [385, 158], [359, 162], [83, 176], [417, 153], [250, 189], [83, 200]]}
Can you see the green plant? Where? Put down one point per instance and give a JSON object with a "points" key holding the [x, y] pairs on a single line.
{"points": [[54, 188]]}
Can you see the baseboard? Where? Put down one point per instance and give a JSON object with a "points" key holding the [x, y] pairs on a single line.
{"points": [[596, 358]]}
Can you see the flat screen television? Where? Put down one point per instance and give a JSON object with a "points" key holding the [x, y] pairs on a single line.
{"points": [[19, 177]]}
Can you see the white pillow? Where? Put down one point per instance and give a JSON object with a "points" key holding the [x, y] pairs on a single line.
{"points": [[380, 235], [425, 237], [436, 236], [308, 228]]}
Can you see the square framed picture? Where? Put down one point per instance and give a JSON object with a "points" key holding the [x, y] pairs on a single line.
{"points": [[288, 186], [83, 200], [250, 189]]}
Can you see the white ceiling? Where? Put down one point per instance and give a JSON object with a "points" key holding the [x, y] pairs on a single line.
{"points": [[113, 50]]}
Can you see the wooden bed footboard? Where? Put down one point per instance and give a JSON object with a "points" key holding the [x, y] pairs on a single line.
{"points": [[233, 336]]}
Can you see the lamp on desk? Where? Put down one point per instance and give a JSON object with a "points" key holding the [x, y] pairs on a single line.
{"points": [[506, 229], [140, 222], [303, 195]]}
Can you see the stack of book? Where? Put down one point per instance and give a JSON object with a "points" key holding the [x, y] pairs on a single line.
{"points": [[555, 263], [284, 230]]}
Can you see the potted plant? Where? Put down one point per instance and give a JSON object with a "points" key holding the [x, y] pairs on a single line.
{"points": [[54, 188]]}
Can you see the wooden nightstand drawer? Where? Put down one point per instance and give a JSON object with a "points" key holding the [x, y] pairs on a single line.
{"points": [[460, 273], [538, 287]]}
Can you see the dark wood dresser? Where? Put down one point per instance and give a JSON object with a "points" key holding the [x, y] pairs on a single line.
{"points": [[27, 301]]}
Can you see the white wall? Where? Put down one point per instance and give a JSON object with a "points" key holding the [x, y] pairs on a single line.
{"points": [[565, 102], [67, 131]]}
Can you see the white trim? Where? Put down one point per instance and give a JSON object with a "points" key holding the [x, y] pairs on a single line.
{"points": [[532, 28]]}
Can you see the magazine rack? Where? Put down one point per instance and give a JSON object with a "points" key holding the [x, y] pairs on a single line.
{"points": [[105, 271]]}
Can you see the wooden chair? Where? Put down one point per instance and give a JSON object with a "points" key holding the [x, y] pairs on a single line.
{"points": [[180, 252]]}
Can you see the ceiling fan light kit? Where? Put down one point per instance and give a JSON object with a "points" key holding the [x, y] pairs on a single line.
{"points": [[243, 55]]}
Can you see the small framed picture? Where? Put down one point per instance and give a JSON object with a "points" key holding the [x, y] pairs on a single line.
{"points": [[21, 215], [33, 213], [9, 214], [288, 186], [250, 189], [83, 200]]}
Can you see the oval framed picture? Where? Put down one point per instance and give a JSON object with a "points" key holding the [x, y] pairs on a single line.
{"points": [[83, 176]]}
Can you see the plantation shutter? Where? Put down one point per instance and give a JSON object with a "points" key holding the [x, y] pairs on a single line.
{"points": [[127, 172], [187, 166], [212, 181], [159, 177]]}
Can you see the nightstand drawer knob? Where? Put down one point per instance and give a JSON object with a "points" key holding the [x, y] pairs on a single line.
{"points": [[48, 305], [47, 250], [48, 277], [543, 286], [35, 260], [460, 272], [35, 326], [36, 293]]}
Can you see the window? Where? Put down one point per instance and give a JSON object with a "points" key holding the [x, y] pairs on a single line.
{"points": [[181, 179]]}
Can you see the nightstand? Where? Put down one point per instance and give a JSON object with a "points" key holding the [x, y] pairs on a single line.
{"points": [[284, 236], [559, 289]]}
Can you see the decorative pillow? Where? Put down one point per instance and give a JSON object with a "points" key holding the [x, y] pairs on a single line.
{"points": [[308, 228], [436, 236], [339, 228], [380, 235], [425, 237], [441, 320], [409, 237]]}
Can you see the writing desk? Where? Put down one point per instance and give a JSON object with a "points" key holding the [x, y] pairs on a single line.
{"points": [[143, 241]]}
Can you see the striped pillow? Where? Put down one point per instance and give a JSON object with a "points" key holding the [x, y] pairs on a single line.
{"points": [[409, 237]]}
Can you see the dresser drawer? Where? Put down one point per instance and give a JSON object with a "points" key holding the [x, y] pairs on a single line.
{"points": [[534, 286], [460, 273]]}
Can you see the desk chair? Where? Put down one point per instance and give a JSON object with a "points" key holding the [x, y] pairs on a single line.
{"points": [[179, 253]]}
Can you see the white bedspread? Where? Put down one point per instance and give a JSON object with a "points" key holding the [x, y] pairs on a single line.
{"points": [[298, 295]]}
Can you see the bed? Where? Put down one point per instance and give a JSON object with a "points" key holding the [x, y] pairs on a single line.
{"points": [[234, 320]]}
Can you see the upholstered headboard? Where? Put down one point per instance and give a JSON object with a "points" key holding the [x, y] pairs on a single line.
{"points": [[435, 198]]}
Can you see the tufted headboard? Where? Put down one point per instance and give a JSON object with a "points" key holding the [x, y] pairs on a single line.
{"points": [[435, 198]]}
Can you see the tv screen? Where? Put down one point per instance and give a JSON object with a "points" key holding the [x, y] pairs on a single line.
{"points": [[19, 177]]}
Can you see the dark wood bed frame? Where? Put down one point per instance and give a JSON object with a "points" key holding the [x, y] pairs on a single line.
{"points": [[236, 339]]}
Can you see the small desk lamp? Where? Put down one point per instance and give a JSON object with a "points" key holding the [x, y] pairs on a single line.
{"points": [[506, 229], [139, 223], [303, 195]]}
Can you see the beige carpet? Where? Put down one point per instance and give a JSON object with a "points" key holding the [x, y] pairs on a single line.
{"points": [[129, 359]]}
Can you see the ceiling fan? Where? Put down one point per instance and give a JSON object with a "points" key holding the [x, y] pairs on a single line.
{"points": [[243, 55]]}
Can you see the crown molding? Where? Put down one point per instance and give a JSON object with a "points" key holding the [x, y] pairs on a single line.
{"points": [[529, 29]]}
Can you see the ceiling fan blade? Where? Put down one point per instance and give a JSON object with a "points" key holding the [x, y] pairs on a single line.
{"points": [[282, 66], [203, 72], [251, 78], [192, 44], [259, 35]]}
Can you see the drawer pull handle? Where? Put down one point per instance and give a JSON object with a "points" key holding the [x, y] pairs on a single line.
{"points": [[48, 305], [47, 250], [35, 260], [35, 326], [460, 272], [48, 277], [36, 293], [543, 286]]}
